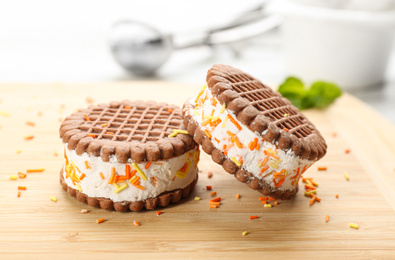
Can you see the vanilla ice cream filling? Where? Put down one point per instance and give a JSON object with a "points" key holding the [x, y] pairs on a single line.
{"points": [[92, 176], [281, 169]]}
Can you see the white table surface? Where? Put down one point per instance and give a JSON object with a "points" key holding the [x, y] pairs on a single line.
{"points": [[51, 41]]}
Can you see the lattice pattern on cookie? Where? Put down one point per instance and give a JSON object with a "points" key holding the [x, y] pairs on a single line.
{"points": [[271, 105], [132, 123]]}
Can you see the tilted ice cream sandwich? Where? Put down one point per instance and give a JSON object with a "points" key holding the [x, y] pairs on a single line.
{"points": [[128, 155], [253, 131]]}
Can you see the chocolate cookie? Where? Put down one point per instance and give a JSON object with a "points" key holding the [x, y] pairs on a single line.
{"points": [[128, 153], [253, 131]]}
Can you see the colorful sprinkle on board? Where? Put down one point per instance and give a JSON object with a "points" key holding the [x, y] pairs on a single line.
{"points": [[100, 220], [353, 225]]}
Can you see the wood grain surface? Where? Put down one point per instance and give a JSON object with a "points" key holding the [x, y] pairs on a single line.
{"points": [[33, 226]]}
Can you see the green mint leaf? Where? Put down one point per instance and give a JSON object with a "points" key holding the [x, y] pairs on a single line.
{"points": [[293, 89], [291, 84], [323, 93], [319, 95]]}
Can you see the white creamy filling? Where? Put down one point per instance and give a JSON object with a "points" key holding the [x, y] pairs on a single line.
{"points": [[161, 176], [282, 169]]}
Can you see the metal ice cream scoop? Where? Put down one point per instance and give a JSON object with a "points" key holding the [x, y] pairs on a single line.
{"points": [[142, 49]]}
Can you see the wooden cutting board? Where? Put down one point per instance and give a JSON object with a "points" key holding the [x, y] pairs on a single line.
{"points": [[33, 226]]}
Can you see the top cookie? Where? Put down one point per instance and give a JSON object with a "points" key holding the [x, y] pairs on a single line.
{"points": [[129, 129], [265, 111]]}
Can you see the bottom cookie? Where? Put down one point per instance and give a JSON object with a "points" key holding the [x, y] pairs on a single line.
{"points": [[162, 200]]}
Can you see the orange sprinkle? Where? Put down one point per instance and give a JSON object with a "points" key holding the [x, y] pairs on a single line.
{"points": [[159, 212], [128, 107], [136, 223], [89, 100], [206, 122], [337, 196], [135, 180], [147, 165], [213, 206], [280, 183], [154, 180], [170, 110], [314, 183], [184, 168], [87, 118], [230, 133], [237, 196], [127, 171], [264, 202], [253, 217], [215, 123], [257, 147], [271, 199], [112, 177], [215, 203], [101, 175], [234, 122], [213, 193], [213, 101], [253, 144], [104, 125], [218, 199], [21, 187], [91, 135], [225, 149], [285, 129], [238, 144], [21, 175], [306, 186], [19, 194], [140, 187], [315, 196], [100, 220], [312, 201], [124, 177], [82, 176], [35, 170], [322, 168], [29, 137], [207, 134], [208, 187], [109, 133], [209, 175], [30, 123], [264, 168], [326, 218], [276, 203], [347, 151], [264, 162], [250, 145], [262, 198], [87, 166], [216, 139]]}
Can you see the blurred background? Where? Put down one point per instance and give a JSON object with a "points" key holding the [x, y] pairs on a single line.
{"points": [[349, 42]]}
